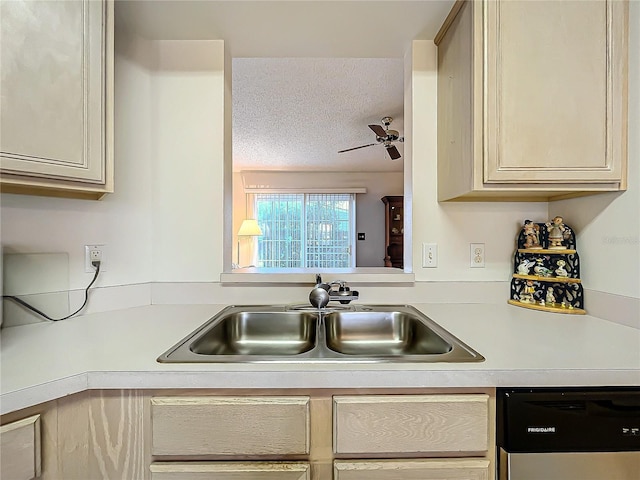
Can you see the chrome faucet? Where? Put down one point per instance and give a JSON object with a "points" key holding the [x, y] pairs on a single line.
{"points": [[338, 291]]}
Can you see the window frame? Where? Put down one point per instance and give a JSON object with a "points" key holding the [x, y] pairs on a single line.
{"points": [[351, 247]]}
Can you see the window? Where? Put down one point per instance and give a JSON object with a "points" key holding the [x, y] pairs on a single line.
{"points": [[305, 230]]}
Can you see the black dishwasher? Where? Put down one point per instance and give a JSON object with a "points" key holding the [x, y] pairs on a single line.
{"points": [[568, 433]]}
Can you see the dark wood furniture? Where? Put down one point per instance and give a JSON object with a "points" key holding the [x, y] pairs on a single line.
{"points": [[394, 231]]}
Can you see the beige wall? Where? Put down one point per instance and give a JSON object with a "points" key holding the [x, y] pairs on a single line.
{"points": [[170, 217], [188, 128]]}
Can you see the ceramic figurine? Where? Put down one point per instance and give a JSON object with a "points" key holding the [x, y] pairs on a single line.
{"points": [[561, 271], [525, 266], [527, 292], [557, 231], [550, 298], [531, 234], [540, 269]]}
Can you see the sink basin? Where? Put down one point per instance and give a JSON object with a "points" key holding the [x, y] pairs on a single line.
{"points": [[258, 333], [382, 333], [294, 333]]}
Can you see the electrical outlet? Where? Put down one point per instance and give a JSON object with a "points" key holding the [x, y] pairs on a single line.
{"points": [[429, 255], [94, 253], [477, 255]]}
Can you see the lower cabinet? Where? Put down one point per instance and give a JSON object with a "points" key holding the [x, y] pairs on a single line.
{"points": [[323, 435], [228, 426], [430, 425], [302, 434], [230, 471], [410, 424], [92, 435], [20, 449], [233, 429], [436, 469]]}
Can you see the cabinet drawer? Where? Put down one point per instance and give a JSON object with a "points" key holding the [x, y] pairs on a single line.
{"points": [[230, 471], [451, 469], [230, 425], [20, 450], [410, 423]]}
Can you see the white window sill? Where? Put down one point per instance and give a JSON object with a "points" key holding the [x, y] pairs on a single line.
{"points": [[306, 276]]}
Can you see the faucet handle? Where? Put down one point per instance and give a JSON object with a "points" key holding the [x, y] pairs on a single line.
{"points": [[319, 297], [323, 293], [342, 285]]}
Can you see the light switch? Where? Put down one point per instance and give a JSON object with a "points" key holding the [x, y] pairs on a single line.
{"points": [[429, 255]]}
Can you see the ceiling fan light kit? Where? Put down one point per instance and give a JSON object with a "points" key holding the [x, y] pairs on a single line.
{"points": [[385, 137]]}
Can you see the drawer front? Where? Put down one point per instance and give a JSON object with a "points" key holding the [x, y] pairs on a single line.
{"points": [[230, 425], [20, 450], [452, 469], [230, 471], [410, 424]]}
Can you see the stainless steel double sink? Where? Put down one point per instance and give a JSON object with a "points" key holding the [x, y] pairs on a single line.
{"points": [[289, 333]]}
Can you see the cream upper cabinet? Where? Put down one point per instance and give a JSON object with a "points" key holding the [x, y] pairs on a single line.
{"points": [[532, 100], [57, 97]]}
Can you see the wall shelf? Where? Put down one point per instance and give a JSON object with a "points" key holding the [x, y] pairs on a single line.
{"points": [[547, 279], [548, 308], [547, 251], [546, 269]]}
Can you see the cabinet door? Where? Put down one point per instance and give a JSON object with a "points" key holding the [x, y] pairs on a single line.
{"points": [[555, 89], [56, 60], [437, 469], [230, 471], [20, 451], [458, 97], [419, 424], [229, 426]]}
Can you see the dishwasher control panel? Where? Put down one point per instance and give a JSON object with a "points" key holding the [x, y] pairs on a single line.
{"points": [[568, 419]]}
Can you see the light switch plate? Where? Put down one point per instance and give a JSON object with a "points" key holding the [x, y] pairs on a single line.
{"points": [[429, 255]]}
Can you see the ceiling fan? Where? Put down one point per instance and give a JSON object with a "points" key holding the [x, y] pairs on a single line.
{"points": [[385, 137]]}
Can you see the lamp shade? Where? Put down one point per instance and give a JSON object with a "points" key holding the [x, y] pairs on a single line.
{"points": [[249, 228]]}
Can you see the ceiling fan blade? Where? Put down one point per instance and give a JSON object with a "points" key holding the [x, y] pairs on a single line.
{"points": [[378, 130], [355, 148], [393, 152]]}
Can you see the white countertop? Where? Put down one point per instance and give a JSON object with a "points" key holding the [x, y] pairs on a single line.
{"points": [[118, 349]]}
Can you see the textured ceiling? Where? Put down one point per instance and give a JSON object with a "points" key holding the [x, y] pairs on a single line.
{"points": [[296, 113], [308, 76]]}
